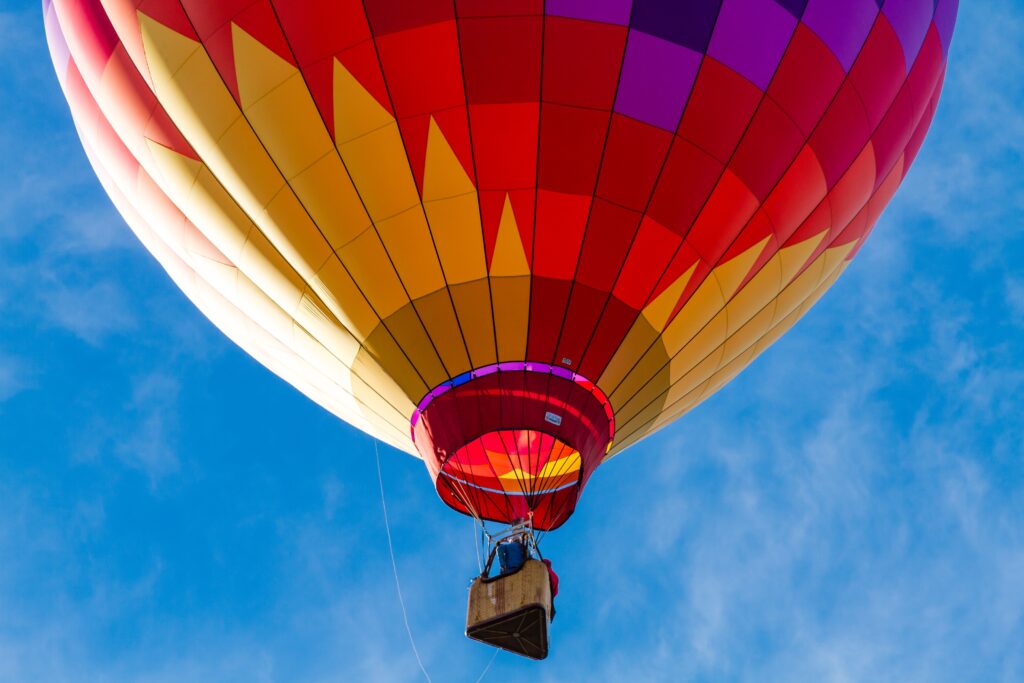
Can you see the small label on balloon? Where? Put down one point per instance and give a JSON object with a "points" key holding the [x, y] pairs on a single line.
{"points": [[553, 418]]}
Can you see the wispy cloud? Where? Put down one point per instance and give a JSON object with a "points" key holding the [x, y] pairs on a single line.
{"points": [[15, 376], [848, 510]]}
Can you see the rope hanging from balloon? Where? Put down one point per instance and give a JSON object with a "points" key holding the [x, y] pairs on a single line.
{"points": [[394, 566], [398, 583]]}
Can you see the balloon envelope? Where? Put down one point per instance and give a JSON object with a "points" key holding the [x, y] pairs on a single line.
{"points": [[511, 237]]}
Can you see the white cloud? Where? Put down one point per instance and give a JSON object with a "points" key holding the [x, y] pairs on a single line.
{"points": [[15, 376], [91, 312]]}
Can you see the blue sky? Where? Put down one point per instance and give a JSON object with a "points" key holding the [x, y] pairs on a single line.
{"points": [[170, 511]]}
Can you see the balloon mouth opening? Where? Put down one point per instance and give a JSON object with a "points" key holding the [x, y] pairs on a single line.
{"points": [[513, 441]]}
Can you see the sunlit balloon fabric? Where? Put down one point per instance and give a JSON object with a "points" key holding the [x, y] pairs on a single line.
{"points": [[511, 236]]}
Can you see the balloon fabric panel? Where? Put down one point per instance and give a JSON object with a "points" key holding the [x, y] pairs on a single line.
{"points": [[612, 207]]}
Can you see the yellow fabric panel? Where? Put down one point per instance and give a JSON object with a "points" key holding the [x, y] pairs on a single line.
{"points": [[698, 316], [178, 65], [380, 171], [753, 296], [458, 237], [511, 296], [438, 315], [382, 350], [258, 69], [408, 243], [643, 334], [331, 199], [399, 384], [241, 164], [336, 288], [639, 343], [315, 318], [652, 361], [306, 247], [473, 306], [356, 111], [695, 351], [794, 257], [710, 298], [309, 346], [509, 257], [265, 265], [453, 210], [745, 337], [660, 309], [288, 124], [192, 187], [197, 186], [798, 290], [367, 260], [408, 330], [332, 283], [260, 259], [443, 175], [761, 289]]}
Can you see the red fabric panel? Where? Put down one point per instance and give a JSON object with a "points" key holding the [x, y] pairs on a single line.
{"points": [[633, 158], [719, 109], [582, 61]]}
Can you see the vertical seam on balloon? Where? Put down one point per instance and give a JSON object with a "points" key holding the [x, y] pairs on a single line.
{"points": [[426, 219], [476, 183], [536, 194], [597, 181], [536, 188]]}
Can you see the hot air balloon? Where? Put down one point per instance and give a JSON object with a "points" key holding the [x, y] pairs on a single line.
{"points": [[511, 237]]}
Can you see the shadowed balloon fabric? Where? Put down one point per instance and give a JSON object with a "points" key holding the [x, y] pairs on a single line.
{"points": [[509, 236]]}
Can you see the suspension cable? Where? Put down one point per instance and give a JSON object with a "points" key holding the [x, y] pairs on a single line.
{"points": [[394, 566], [398, 584]]}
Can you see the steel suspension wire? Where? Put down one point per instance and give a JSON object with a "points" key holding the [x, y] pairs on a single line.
{"points": [[394, 566]]}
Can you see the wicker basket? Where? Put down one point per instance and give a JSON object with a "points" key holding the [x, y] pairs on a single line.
{"points": [[512, 611]]}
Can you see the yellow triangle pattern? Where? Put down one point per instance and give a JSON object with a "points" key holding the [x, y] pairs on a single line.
{"points": [[509, 258]]}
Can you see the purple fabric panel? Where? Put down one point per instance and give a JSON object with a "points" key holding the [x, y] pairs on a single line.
{"points": [[656, 79], [750, 37], [604, 11], [910, 19], [684, 22], [945, 18], [843, 26]]}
